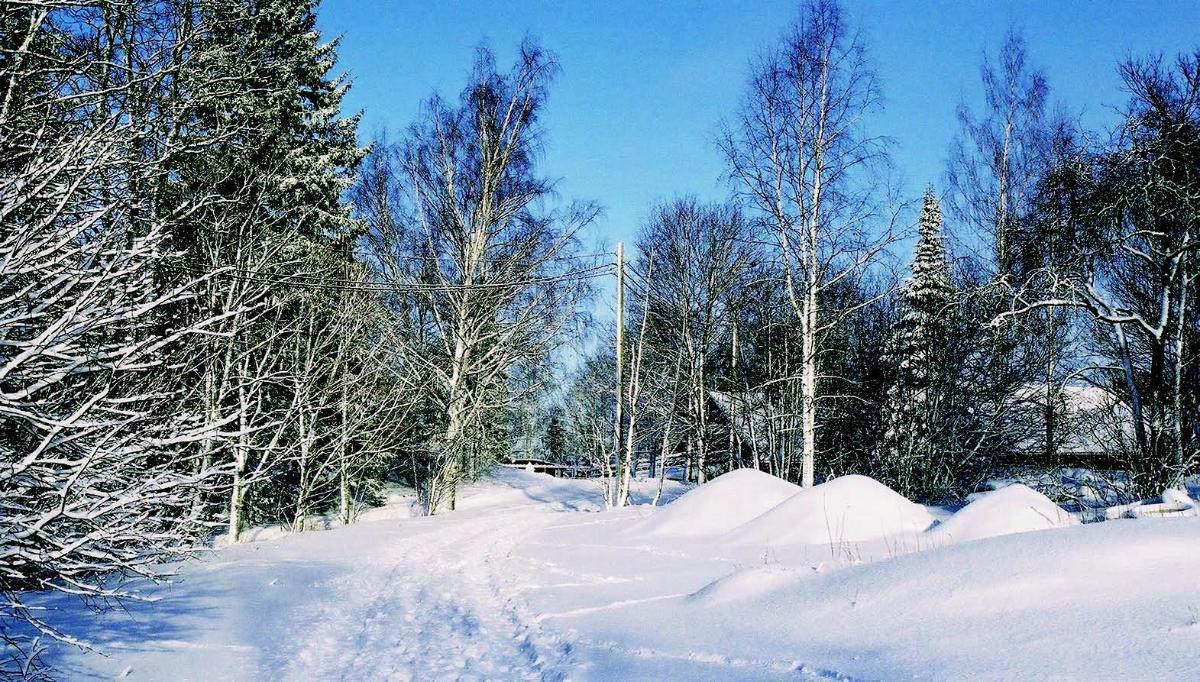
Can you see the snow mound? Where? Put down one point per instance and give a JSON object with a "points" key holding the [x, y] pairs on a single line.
{"points": [[942, 614], [1012, 509], [722, 504], [847, 509]]}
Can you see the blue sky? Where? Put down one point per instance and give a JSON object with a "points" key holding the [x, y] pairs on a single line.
{"points": [[644, 85]]}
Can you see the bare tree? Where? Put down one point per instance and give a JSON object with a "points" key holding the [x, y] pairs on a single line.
{"points": [[97, 475], [482, 272], [692, 263], [1131, 212], [349, 409], [997, 162], [999, 155], [799, 153]]}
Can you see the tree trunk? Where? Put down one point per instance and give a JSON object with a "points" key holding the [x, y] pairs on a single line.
{"points": [[241, 457], [808, 378]]}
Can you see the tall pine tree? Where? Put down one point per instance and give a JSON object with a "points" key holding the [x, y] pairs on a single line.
{"points": [[266, 119], [914, 452], [266, 143]]}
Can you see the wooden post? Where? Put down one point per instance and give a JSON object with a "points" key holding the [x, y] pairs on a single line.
{"points": [[733, 400]]}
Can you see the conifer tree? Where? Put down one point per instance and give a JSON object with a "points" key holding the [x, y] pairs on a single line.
{"points": [[912, 449], [556, 437], [261, 116], [275, 121]]}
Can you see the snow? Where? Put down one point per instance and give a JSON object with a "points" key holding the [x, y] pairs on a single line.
{"points": [[532, 579], [1178, 497], [847, 509], [722, 504], [521, 488], [1105, 601], [504, 488], [747, 584], [1013, 509], [1173, 502]]}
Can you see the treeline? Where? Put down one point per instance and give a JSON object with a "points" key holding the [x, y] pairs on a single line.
{"points": [[171, 181], [775, 331], [218, 310]]}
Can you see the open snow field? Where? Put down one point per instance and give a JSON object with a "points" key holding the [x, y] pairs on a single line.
{"points": [[743, 578]]}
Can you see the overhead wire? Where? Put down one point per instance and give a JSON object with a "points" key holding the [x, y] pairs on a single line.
{"points": [[551, 259], [633, 281], [336, 284]]}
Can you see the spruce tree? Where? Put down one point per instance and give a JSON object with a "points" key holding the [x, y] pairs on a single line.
{"points": [[304, 142], [556, 438], [266, 121], [913, 451], [264, 140]]}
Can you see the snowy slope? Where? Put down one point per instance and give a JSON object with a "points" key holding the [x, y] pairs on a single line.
{"points": [[1115, 601], [532, 581]]}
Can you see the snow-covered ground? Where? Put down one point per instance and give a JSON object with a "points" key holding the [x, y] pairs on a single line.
{"points": [[530, 579]]}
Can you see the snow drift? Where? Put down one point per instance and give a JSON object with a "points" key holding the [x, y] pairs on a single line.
{"points": [[1096, 601], [847, 509], [508, 590], [1012, 509], [722, 504]]}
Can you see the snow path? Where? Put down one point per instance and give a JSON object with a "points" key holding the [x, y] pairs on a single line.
{"points": [[599, 572], [532, 580], [450, 602], [431, 606], [395, 598]]}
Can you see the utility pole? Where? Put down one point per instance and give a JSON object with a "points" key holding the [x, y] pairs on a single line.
{"points": [[733, 400], [620, 344]]}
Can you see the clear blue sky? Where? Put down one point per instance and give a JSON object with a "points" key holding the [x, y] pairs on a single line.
{"points": [[644, 84]]}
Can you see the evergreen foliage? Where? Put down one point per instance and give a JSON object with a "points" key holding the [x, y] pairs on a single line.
{"points": [[915, 451], [555, 440]]}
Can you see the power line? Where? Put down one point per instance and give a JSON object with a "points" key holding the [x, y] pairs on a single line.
{"points": [[639, 286], [637, 279], [432, 258], [333, 284]]}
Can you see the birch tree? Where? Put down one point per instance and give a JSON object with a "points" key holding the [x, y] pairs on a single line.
{"points": [[1000, 155], [480, 262], [96, 434], [590, 415], [692, 262], [1131, 213], [350, 412], [799, 153]]}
